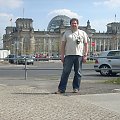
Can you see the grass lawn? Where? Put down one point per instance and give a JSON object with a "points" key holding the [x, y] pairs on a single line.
{"points": [[113, 81]]}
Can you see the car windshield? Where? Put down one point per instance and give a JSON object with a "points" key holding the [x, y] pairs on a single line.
{"points": [[28, 57], [114, 53]]}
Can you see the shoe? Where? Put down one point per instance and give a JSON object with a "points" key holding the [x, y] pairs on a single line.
{"points": [[59, 92], [75, 90]]}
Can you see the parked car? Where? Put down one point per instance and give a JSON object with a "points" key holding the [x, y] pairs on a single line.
{"points": [[25, 58], [92, 56], [41, 57], [108, 63], [11, 58]]}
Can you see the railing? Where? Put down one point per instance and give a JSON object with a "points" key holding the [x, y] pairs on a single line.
{"points": [[25, 68]]}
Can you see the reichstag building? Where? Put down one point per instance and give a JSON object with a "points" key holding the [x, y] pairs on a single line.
{"points": [[22, 39]]}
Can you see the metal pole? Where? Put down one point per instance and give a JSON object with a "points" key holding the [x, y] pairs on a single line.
{"points": [[25, 69]]}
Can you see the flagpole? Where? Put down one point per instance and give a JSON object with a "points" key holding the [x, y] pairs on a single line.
{"points": [[115, 17]]}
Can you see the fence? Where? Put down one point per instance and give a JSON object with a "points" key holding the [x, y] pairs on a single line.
{"points": [[26, 69]]}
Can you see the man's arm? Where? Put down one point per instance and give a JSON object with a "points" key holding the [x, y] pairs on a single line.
{"points": [[85, 52], [85, 49], [63, 44]]}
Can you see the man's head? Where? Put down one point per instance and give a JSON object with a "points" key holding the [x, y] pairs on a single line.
{"points": [[74, 24]]}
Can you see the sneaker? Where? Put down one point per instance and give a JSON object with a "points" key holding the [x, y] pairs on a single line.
{"points": [[75, 90], [59, 92]]}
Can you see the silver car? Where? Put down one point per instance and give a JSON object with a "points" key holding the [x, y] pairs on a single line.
{"points": [[25, 59], [108, 63]]}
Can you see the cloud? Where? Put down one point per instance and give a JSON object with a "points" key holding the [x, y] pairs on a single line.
{"points": [[11, 3], [5, 18], [100, 24], [112, 3], [5, 15], [97, 3], [5, 21], [6, 5], [109, 3], [66, 12]]}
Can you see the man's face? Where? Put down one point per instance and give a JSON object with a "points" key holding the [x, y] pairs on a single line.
{"points": [[74, 25]]}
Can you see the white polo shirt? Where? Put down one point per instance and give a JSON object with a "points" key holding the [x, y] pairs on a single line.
{"points": [[72, 48]]}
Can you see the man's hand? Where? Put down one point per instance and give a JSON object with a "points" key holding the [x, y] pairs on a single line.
{"points": [[62, 58], [84, 59]]}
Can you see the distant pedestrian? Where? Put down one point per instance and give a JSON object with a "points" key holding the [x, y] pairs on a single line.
{"points": [[74, 50]]}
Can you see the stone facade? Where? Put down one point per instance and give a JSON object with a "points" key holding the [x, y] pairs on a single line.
{"points": [[22, 39]]}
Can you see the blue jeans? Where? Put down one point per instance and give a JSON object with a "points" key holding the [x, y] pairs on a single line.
{"points": [[69, 61]]}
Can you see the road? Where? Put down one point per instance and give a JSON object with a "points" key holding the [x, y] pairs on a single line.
{"points": [[14, 75], [46, 70]]}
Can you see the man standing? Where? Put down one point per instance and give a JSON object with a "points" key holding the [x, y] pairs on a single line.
{"points": [[74, 50]]}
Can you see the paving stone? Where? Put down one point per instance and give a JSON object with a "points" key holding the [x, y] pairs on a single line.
{"points": [[27, 103]]}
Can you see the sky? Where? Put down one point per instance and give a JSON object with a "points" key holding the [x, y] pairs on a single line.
{"points": [[98, 12]]}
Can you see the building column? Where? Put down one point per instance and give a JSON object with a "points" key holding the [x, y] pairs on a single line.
{"points": [[32, 45], [90, 47], [108, 44], [21, 45], [104, 44], [95, 46], [117, 41], [99, 45]]}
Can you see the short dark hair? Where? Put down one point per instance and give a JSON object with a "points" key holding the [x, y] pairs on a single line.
{"points": [[74, 19]]}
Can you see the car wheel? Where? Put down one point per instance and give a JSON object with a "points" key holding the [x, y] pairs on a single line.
{"points": [[105, 72]]}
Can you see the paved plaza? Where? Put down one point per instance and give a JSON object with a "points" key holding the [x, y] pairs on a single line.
{"points": [[38, 102]]}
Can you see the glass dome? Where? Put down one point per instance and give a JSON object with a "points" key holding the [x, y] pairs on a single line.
{"points": [[56, 22]]}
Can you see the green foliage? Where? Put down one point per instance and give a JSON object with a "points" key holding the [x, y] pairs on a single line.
{"points": [[90, 61], [113, 81]]}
